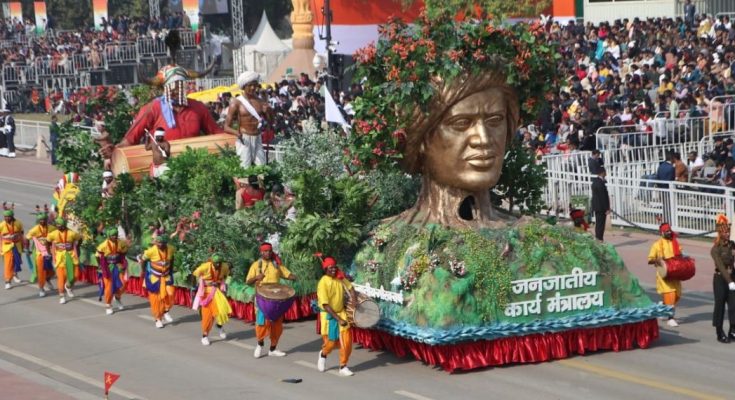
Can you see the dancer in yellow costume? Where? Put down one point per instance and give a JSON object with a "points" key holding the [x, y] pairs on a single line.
{"points": [[11, 231], [159, 280], [113, 269], [44, 268], [210, 296], [335, 328], [267, 269], [64, 243]]}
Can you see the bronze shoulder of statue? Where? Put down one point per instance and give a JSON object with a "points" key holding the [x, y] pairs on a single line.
{"points": [[458, 147]]}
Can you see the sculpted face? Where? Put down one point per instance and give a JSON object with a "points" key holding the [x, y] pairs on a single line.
{"points": [[466, 150]]}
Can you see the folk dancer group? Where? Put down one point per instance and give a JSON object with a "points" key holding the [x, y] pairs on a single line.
{"points": [[55, 251]]}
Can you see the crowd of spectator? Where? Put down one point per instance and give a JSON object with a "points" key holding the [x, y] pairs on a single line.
{"points": [[631, 74]]}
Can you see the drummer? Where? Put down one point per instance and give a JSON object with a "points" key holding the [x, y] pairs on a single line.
{"points": [[665, 248], [333, 316], [113, 266], [267, 270]]}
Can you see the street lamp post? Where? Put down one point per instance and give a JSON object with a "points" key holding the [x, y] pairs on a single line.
{"points": [[332, 81]]}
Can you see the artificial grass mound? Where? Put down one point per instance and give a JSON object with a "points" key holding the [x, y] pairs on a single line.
{"points": [[529, 277]]}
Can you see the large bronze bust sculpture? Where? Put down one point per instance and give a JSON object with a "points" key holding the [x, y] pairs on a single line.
{"points": [[458, 149]]}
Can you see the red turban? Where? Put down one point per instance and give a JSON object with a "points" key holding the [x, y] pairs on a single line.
{"points": [[328, 262], [331, 262], [666, 227], [266, 246]]}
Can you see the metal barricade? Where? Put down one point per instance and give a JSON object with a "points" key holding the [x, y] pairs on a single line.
{"points": [[50, 69], [18, 74], [121, 53], [89, 61], [27, 133], [637, 202], [209, 83], [151, 48], [188, 38]]}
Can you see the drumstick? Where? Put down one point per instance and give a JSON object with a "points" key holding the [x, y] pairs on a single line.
{"points": [[163, 153]]}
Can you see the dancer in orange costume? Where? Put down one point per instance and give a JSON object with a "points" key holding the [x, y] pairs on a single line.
{"points": [[64, 243], [268, 269], [113, 268], [210, 296], [159, 280], [333, 316], [44, 268]]}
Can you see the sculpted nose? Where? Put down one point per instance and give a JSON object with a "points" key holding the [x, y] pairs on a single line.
{"points": [[480, 135]]}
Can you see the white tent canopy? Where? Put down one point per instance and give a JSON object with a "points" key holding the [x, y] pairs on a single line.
{"points": [[264, 51]]}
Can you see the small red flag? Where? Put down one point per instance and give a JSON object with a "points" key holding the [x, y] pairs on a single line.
{"points": [[110, 378]]}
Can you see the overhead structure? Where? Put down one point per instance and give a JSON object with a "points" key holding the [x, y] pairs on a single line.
{"points": [[264, 51], [301, 58], [238, 37], [155, 8]]}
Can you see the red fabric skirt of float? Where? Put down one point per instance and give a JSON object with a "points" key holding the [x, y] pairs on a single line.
{"points": [[300, 309], [514, 350]]}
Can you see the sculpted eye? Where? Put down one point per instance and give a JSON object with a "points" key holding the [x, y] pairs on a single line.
{"points": [[494, 120], [461, 124]]}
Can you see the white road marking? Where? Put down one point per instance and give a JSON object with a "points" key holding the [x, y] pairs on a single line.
{"points": [[240, 344], [92, 302], [56, 321], [65, 371], [27, 183], [410, 395], [146, 317], [313, 366]]}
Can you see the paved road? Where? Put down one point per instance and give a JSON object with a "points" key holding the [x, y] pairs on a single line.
{"points": [[52, 351]]}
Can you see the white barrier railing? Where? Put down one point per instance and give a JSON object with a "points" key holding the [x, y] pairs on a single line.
{"points": [[19, 74], [27, 133], [89, 61], [121, 53], [50, 68], [690, 208], [188, 39], [665, 130], [209, 83], [151, 48]]}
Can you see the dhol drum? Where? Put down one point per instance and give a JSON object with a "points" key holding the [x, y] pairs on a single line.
{"points": [[365, 314], [274, 299], [136, 160], [677, 268]]}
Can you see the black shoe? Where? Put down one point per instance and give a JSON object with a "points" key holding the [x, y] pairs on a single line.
{"points": [[731, 335], [722, 338]]}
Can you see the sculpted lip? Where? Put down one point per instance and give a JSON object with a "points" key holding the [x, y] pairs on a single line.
{"points": [[482, 160]]}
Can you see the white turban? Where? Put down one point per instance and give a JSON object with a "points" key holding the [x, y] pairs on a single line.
{"points": [[247, 77], [159, 132], [107, 174]]}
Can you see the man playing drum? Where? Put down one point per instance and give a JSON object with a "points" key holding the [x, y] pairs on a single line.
{"points": [[266, 270], [159, 280], [210, 296], [664, 249], [12, 245], [333, 316]]}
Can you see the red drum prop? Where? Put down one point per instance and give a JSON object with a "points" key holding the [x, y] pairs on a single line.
{"points": [[679, 268], [274, 299]]}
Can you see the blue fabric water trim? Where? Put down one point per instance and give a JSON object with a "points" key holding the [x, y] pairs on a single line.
{"points": [[259, 317], [605, 317]]}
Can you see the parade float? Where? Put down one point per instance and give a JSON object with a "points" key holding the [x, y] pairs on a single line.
{"points": [[461, 284], [409, 203]]}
